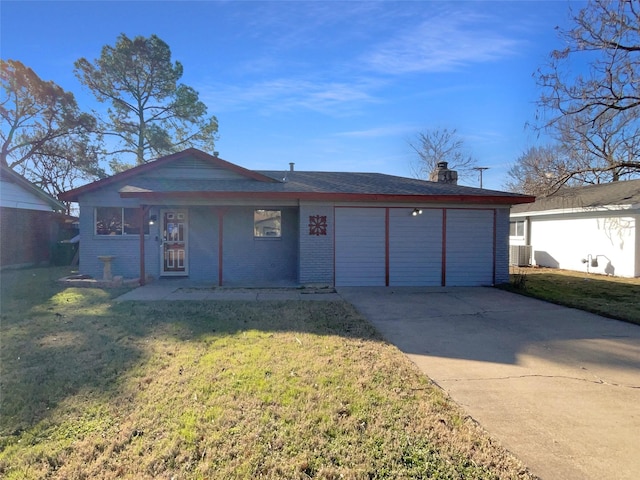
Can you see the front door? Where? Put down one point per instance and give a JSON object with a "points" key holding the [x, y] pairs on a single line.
{"points": [[174, 242]]}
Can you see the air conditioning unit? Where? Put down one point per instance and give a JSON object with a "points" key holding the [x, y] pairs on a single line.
{"points": [[520, 255]]}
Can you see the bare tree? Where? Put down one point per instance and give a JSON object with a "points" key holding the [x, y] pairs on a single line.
{"points": [[603, 150], [539, 171], [596, 114], [441, 145]]}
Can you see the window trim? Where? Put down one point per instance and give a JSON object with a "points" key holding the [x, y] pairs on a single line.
{"points": [[255, 221], [517, 223], [122, 234]]}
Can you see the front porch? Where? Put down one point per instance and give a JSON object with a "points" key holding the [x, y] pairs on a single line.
{"points": [[210, 245]]}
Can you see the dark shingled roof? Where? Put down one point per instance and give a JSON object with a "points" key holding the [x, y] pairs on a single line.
{"points": [[312, 182], [373, 183], [141, 182], [592, 196]]}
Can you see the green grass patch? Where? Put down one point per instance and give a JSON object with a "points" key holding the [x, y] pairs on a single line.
{"points": [[298, 390], [613, 297]]}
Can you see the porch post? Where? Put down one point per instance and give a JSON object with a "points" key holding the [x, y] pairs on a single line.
{"points": [[144, 209], [220, 237], [220, 213]]}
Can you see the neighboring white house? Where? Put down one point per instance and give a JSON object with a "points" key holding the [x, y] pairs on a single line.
{"points": [[591, 229], [30, 221]]}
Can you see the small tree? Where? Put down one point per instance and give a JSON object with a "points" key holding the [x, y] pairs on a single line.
{"points": [[441, 145], [44, 136], [150, 113]]}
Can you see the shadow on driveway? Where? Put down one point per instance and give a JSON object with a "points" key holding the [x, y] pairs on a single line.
{"points": [[558, 386]]}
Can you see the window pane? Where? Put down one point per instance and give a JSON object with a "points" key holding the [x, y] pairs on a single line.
{"points": [[108, 221], [267, 223], [516, 229], [132, 222]]}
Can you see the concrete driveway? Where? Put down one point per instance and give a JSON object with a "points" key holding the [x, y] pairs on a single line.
{"points": [[558, 387]]}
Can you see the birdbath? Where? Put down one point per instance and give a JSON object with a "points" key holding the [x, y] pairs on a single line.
{"points": [[106, 273]]}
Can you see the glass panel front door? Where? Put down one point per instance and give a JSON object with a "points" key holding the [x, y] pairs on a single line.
{"points": [[174, 242]]}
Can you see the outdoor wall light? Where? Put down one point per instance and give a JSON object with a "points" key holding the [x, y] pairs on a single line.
{"points": [[153, 219], [416, 212]]}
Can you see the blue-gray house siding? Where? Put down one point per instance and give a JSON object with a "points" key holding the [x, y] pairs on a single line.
{"points": [[218, 200]]}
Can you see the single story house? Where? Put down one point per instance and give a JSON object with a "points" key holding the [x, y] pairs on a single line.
{"points": [[30, 220], [594, 228], [191, 214]]}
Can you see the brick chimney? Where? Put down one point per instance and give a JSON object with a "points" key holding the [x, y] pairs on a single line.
{"points": [[442, 174]]}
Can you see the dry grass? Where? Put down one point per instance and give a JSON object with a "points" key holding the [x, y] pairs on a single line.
{"points": [[227, 390], [614, 297]]}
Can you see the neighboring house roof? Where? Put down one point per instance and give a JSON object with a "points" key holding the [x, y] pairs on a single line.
{"points": [[622, 194], [8, 175], [291, 185]]}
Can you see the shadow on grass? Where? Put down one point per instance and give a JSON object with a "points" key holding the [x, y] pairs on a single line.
{"points": [[602, 296], [62, 342]]}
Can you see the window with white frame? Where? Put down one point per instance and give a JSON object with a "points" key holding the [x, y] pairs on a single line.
{"points": [[516, 228], [119, 221], [267, 223]]}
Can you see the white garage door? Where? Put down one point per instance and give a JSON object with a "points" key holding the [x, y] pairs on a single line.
{"points": [[360, 247], [415, 247], [469, 253]]}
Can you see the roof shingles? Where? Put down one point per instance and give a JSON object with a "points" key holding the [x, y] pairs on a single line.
{"points": [[328, 186], [312, 182], [591, 196]]}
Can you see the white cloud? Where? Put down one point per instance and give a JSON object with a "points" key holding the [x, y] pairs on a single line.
{"points": [[287, 94], [445, 42], [385, 131]]}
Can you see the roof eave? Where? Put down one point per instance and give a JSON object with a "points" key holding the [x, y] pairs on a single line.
{"points": [[330, 196], [596, 209], [20, 180]]}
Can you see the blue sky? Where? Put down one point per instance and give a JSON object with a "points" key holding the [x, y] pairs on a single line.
{"points": [[328, 85]]}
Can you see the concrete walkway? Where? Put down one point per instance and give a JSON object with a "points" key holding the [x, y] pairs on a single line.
{"points": [[178, 290], [558, 387]]}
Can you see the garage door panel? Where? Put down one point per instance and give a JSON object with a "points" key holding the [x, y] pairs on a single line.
{"points": [[360, 247], [469, 253], [415, 248]]}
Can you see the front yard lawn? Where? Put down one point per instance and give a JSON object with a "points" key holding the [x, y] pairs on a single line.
{"points": [[614, 297], [226, 390]]}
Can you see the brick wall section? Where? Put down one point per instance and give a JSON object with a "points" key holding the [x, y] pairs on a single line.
{"points": [[502, 245], [316, 251], [26, 236]]}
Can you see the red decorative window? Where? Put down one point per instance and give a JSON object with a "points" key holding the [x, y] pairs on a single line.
{"points": [[317, 225]]}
